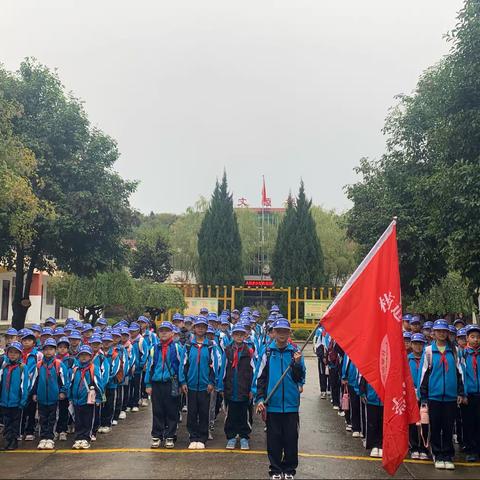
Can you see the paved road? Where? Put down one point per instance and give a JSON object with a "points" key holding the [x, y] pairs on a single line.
{"points": [[327, 451]]}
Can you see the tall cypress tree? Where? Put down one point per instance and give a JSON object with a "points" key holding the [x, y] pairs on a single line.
{"points": [[298, 257], [219, 244]]}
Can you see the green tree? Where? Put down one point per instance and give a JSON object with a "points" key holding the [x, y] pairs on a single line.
{"points": [[219, 243], [151, 257], [298, 257], [87, 211]]}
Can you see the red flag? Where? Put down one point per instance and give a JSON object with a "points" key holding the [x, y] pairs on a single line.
{"points": [[366, 321]]}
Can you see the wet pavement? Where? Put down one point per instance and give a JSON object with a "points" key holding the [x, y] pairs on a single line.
{"points": [[327, 451]]}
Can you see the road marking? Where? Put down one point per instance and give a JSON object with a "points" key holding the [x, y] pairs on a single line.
{"points": [[219, 450]]}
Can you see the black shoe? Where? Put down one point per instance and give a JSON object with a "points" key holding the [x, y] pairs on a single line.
{"points": [[13, 445]]}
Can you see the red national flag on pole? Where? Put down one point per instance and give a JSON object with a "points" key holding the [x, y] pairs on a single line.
{"points": [[365, 319]]}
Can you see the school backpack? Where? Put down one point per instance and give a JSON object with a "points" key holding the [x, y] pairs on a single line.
{"points": [[56, 362]]}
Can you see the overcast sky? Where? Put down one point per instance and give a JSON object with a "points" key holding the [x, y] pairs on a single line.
{"points": [[283, 88]]}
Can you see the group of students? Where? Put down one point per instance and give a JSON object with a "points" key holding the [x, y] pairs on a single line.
{"points": [[83, 379], [443, 364]]}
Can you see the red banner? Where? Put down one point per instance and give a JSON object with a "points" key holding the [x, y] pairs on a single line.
{"points": [[366, 321]]}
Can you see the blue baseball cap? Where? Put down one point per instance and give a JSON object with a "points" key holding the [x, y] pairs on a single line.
{"points": [[36, 328], [472, 328], [212, 316], [50, 320], [225, 321], [235, 310], [167, 325], [239, 329], [274, 308], [459, 320], [415, 319], [50, 342], [69, 320], [418, 337], [85, 349], [176, 329], [452, 329], [11, 332], [25, 333], [125, 331], [116, 332], [107, 337], [143, 319], [203, 310], [97, 330], [282, 323], [16, 346], [256, 314], [47, 331], [407, 335], [134, 327], [407, 317], [428, 325], [95, 339], [101, 321], [440, 324], [200, 321], [87, 327], [59, 331], [63, 340], [462, 332], [210, 329], [177, 317], [75, 335], [189, 319]]}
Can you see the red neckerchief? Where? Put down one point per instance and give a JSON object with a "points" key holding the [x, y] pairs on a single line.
{"points": [[25, 354], [443, 359], [165, 346], [236, 351], [474, 359], [199, 350], [62, 356], [83, 372], [10, 369], [48, 367]]}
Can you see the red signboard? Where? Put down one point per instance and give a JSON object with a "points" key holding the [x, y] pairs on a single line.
{"points": [[259, 283]]}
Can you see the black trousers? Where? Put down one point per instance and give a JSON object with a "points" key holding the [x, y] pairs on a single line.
{"points": [[282, 442], [363, 418], [322, 375], [197, 416], [471, 425], [164, 411], [126, 399], [48, 417], [108, 407], [134, 393], [62, 421], [355, 420], [442, 418], [28, 422], [415, 438], [334, 376], [83, 421], [97, 414], [11, 421], [118, 402], [374, 426], [143, 388], [237, 419]]}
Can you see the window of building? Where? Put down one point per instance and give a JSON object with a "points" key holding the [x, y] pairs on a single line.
{"points": [[49, 298]]}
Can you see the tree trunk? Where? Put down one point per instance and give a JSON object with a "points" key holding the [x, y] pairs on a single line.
{"points": [[19, 310]]}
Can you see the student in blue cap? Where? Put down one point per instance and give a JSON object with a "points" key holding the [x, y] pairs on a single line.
{"points": [[441, 389], [85, 386], [197, 376], [13, 394], [161, 379], [50, 322], [282, 408], [112, 365], [407, 340], [75, 340], [150, 339], [62, 354], [418, 434], [11, 335], [128, 376], [50, 386], [101, 323], [139, 358]]}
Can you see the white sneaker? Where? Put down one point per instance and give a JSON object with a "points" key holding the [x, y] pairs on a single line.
{"points": [[62, 436], [19, 438], [107, 429], [55, 436], [374, 453], [336, 408], [356, 434], [93, 438], [144, 402], [323, 395], [439, 464], [29, 438], [180, 417], [85, 445], [169, 443], [135, 409], [449, 465], [423, 456], [41, 444], [114, 422], [455, 438], [340, 413], [210, 435], [123, 415], [380, 453], [415, 456], [184, 409], [192, 446], [156, 442], [101, 430], [77, 445], [128, 409], [49, 445], [348, 428], [200, 446]]}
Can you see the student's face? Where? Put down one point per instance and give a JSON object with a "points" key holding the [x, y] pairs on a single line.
{"points": [[28, 342], [282, 334], [13, 354], [125, 338], [43, 338], [200, 330], [189, 326], [179, 323], [459, 325], [62, 348], [271, 334], [406, 325], [10, 339], [417, 347], [165, 334], [408, 344], [36, 334], [75, 342], [441, 335], [223, 327], [96, 347], [134, 334], [106, 345], [452, 337], [211, 336], [474, 339], [88, 333], [116, 339], [462, 341], [49, 352], [238, 337], [84, 357], [415, 328], [427, 332]]}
